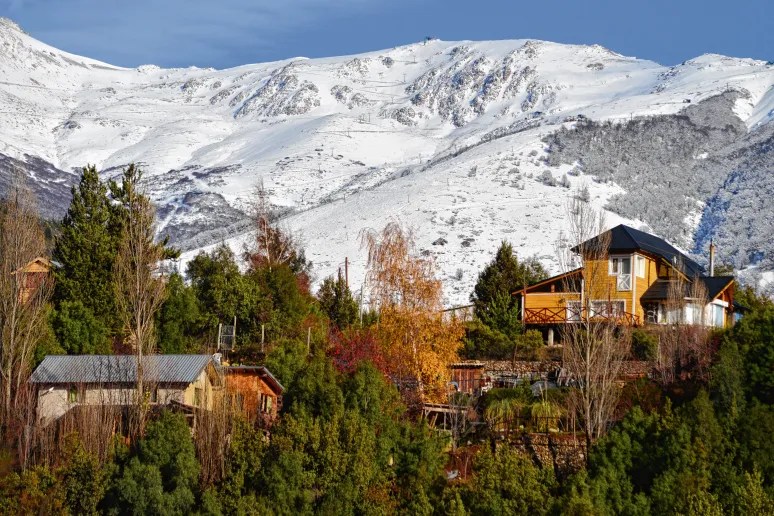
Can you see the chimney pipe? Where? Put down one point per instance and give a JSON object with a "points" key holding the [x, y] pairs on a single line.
{"points": [[712, 259]]}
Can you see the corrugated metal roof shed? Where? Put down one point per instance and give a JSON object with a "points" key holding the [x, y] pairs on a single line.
{"points": [[119, 368]]}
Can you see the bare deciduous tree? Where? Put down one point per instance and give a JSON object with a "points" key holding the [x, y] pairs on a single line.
{"points": [[23, 299], [594, 345], [213, 430], [140, 288], [272, 245], [684, 339]]}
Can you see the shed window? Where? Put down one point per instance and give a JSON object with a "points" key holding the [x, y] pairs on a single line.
{"points": [[197, 397], [72, 395]]}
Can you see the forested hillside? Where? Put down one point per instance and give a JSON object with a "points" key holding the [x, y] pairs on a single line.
{"points": [[689, 435]]}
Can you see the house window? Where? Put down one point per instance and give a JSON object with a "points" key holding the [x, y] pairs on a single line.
{"points": [[641, 265], [607, 308], [670, 314], [717, 315], [693, 313], [197, 397], [620, 265], [651, 312], [72, 395]]}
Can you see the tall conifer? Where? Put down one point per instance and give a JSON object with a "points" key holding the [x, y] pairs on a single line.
{"points": [[86, 249], [501, 277]]}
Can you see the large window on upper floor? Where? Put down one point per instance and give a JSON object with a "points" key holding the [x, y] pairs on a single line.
{"points": [[621, 267]]}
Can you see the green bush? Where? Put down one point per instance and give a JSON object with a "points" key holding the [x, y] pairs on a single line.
{"points": [[530, 344], [79, 331], [644, 345], [482, 342]]}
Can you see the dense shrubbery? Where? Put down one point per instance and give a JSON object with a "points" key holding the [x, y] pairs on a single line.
{"points": [[346, 445]]}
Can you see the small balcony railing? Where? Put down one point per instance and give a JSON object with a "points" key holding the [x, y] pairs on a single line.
{"points": [[561, 315]]}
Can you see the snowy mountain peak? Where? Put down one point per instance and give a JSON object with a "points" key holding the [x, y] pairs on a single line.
{"points": [[8, 23], [445, 135]]}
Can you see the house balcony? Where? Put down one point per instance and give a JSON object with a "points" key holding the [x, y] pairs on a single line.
{"points": [[569, 315]]}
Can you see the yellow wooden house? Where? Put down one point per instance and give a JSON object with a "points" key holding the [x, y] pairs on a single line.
{"points": [[635, 279]]}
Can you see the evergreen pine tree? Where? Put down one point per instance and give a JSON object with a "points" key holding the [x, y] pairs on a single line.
{"points": [[337, 302], [86, 249], [499, 279], [179, 320]]}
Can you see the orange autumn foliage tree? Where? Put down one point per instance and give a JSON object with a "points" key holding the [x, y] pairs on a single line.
{"points": [[417, 340]]}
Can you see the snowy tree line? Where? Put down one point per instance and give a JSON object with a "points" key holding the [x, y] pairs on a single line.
{"points": [[701, 161]]}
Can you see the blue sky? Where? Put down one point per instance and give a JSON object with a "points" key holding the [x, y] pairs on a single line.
{"points": [[224, 33]]}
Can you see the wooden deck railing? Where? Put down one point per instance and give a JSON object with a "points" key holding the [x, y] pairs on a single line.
{"points": [[563, 315]]}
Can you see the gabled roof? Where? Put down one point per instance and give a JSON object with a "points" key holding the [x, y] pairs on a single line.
{"points": [[625, 239], [120, 368], [714, 285], [263, 373], [563, 276], [41, 262]]}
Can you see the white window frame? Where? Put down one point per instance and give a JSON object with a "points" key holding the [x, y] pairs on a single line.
{"points": [[641, 265], [617, 270], [618, 259], [604, 303], [693, 312], [715, 308]]}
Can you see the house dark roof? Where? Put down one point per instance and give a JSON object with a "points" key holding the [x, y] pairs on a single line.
{"points": [[716, 284], [625, 239], [119, 368], [659, 290]]}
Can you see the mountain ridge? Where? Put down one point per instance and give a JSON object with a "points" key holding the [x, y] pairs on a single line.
{"points": [[447, 131]]}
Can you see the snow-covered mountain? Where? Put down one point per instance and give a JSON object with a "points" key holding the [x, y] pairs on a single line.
{"points": [[458, 139]]}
